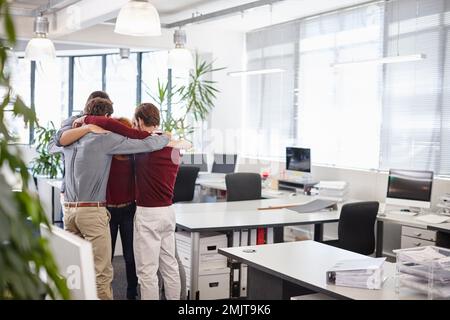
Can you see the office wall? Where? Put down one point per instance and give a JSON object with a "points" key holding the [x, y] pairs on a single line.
{"points": [[363, 185]]}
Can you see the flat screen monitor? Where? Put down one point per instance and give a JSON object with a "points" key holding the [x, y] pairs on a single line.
{"points": [[409, 188], [224, 163], [75, 261], [195, 160], [298, 159]]}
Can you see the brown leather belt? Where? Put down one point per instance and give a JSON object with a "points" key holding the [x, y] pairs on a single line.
{"points": [[122, 205], [84, 204]]}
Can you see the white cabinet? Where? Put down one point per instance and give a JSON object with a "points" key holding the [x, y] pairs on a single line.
{"points": [[417, 237]]}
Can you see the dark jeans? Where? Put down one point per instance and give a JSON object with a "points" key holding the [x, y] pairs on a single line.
{"points": [[122, 219]]}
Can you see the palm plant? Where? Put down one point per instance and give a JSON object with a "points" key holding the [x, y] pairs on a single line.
{"points": [[46, 164], [23, 255]]}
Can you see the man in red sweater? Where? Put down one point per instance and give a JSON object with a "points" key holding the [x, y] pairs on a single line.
{"points": [[154, 225]]}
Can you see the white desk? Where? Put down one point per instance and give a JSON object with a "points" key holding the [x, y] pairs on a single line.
{"points": [[405, 221], [224, 216], [218, 183], [304, 264]]}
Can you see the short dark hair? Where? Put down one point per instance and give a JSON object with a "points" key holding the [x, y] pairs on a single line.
{"points": [[99, 107], [96, 94], [148, 113]]}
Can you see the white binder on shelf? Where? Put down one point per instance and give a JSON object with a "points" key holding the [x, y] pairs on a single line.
{"points": [[253, 233], [269, 235], [243, 284], [244, 238], [236, 238]]}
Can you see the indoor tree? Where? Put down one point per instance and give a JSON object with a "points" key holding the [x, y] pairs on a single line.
{"points": [[23, 254]]}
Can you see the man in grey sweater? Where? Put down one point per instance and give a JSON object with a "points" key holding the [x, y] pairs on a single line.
{"points": [[87, 165]]}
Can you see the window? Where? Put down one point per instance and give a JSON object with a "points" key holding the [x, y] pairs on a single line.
{"points": [[368, 116], [51, 91], [270, 99], [154, 67], [121, 84], [338, 107], [87, 77], [416, 109]]}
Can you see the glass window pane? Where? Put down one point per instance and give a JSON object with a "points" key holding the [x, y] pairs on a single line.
{"points": [[87, 77], [121, 83], [21, 79], [51, 93], [154, 67]]}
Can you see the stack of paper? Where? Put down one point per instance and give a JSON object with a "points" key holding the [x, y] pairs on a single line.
{"points": [[360, 273], [444, 204], [433, 218], [335, 190]]}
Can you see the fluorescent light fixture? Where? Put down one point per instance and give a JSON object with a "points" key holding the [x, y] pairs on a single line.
{"points": [[138, 18], [180, 58], [40, 48], [385, 60], [253, 72]]}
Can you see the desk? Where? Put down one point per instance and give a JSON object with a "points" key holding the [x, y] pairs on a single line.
{"points": [[405, 221], [279, 269], [218, 183], [225, 216]]}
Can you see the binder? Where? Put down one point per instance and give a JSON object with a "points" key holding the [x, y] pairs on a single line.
{"points": [[269, 236], [234, 279], [253, 237], [243, 286], [236, 238], [244, 237], [261, 236]]}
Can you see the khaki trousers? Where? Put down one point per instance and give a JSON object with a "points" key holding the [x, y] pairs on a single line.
{"points": [[92, 224], [154, 248]]}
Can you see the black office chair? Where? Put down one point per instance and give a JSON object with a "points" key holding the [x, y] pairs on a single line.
{"points": [[185, 184], [356, 227], [243, 186]]}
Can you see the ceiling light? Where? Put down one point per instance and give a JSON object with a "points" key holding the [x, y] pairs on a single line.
{"points": [[385, 60], [180, 58], [138, 18], [125, 68], [254, 72], [40, 48]]}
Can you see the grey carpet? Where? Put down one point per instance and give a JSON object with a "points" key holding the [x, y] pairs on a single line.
{"points": [[119, 283]]}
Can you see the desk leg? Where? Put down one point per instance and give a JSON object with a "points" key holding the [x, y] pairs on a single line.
{"points": [[53, 205], [195, 258], [318, 232], [379, 244]]}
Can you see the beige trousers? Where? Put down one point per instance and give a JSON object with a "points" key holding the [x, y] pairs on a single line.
{"points": [[92, 224], [154, 248]]}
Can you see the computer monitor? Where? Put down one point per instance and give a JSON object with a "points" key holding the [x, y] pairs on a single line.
{"points": [[224, 163], [409, 188], [298, 159], [74, 258], [195, 160]]}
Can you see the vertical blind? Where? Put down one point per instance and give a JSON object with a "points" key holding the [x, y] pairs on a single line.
{"points": [[364, 115]]}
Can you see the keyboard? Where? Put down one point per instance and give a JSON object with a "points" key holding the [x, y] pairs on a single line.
{"points": [[402, 213]]}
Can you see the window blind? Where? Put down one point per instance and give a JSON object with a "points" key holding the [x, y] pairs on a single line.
{"points": [[416, 96]]}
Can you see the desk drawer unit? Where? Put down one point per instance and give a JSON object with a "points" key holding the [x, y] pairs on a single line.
{"points": [[212, 284], [419, 233], [410, 242]]}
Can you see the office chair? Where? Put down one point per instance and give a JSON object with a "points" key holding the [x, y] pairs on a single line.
{"points": [[356, 227], [243, 186], [224, 163], [185, 184]]}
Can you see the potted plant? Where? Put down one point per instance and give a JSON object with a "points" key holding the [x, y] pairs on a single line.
{"points": [[194, 100], [46, 164], [23, 255]]}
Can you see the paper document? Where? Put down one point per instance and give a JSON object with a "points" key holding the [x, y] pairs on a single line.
{"points": [[433, 218], [314, 206]]}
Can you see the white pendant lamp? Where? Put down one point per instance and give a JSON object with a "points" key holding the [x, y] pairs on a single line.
{"points": [[40, 48], [125, 68], [180, 58], [138, 18]]}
